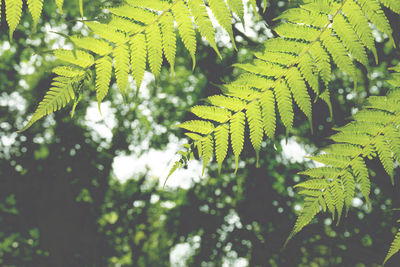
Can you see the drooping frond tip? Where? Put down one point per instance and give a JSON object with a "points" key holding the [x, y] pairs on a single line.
{"points": [[59, 95], [394, 247], [373, 133], [13, 10]]}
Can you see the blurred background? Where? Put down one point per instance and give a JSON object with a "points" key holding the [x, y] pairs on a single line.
{"points": [[88, 191]]}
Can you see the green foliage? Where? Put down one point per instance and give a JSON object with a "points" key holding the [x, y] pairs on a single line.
{"points": [[64, 88], [13, 14], [35, 8], [13, 9], [373, 133], [311, 39], [143, 31], [294, 67], [394, 247]]}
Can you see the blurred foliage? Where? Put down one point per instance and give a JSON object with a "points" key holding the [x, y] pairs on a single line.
{"points": [[61, 203]]}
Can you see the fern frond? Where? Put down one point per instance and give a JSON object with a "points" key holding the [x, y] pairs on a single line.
{"points": [[343, 149], [186, 155], [211, 113], [373, 133], [106, 31], [254, 118], [97, 46], [356, 17], [394, 247], [349, 38], [142, 15], [121, 65], [237, 8], [349, 185], [338, 52], [231, 103], [313, 184], [237, 135], [207, 145], [13, 14], [13, 9], [185, 28], [222, 14], [284, 100], [309, 70], [361, 172], [392, 5], [328, 33], [79, 58], [58, 96], [322, 61], [299, 90], [154, 44], [376, 16], [124, 25], [334, 160], [322, 172], [35, 8], [385, 155], [138, 57], [310, 209], [241, 91], [201, 127], [267, 102], [329, 201], [140, 32], [352, 138], [69, 72], [201, 18], [168, 39], [393, 138], [301, 15], [297, 31], [276, 57], [337, 191], [60, 4], [103, 77], [194, 136], [221, 144]]}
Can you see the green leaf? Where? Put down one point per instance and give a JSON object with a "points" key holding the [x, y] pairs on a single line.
{"points": [[394, 247], [60, 5], [237, 135], [254, 119], [222, 14], [103, 77], [185, 28], [138, 50], [168, 39], [221, 144], [58, 96], [284, 100], [154, 45], [13, 14], [121, 64], [35, 8], [207, 145]]}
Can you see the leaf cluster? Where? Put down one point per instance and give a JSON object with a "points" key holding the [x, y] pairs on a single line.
{"points": [[138, 35]]}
